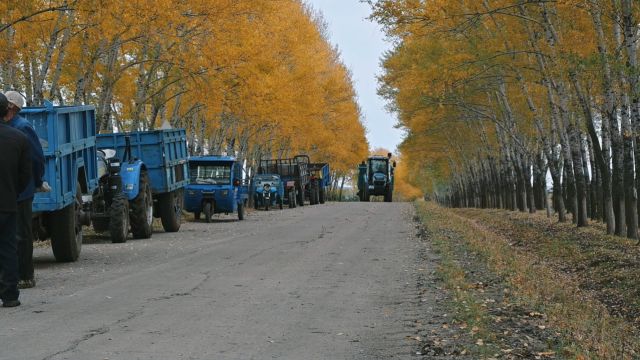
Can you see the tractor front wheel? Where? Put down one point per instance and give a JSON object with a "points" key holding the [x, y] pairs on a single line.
{"points": [[119, 219], [207, 212], [142, 210], [241, 211]]}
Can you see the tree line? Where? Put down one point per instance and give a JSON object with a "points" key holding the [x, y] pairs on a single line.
{"points": [[501, 96], [255, 79]]}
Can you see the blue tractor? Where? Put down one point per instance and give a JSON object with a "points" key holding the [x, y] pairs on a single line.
{"points": [[319, 183], [294, 173], [68, 138], [268, 191], [216, 186], [147, 174], [375, 178]]}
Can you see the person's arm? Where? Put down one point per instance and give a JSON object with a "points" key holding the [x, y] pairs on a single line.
{"points": [[25, 167], [37, 156]]}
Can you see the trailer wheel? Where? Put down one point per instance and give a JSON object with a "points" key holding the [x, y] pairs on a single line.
{"points": [[171, 210], [142, 210], [207, 212], [66, 231], [322, 195], [119, 219], [241, 211]]}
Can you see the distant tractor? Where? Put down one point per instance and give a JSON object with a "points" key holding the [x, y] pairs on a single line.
{"points": [[375, 178], [268, 191], [319, 184]]}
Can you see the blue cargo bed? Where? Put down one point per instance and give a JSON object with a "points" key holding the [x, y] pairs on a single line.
{"points": [[164, 153], [67, 136]]}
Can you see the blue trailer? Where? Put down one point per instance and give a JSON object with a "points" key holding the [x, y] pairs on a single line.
{"points": [[153, 170], [217, 186], [320, 182], [68, 138]]}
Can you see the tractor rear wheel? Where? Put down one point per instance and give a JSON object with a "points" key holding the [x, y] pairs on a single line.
{"points": [[280, 202], [171, 210], [300, 193], [322, 195], [119, 219], [142, 210], [292, 199]]}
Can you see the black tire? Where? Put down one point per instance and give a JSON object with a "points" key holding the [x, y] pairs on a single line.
{"points": [[171, 210], [300, 199], [207, 211], [196, 215], [255, 202], [66, 231], [241, 211], [312, 193], [100, 225], [119, 219], [266, 205], [280, 202], [141, 215], [292, 199], [322, 195]]}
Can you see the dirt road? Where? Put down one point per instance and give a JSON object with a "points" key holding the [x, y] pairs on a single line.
{"points": [[334, 281]]}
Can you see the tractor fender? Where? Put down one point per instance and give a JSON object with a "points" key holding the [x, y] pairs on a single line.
{"points": [[130, 173]]}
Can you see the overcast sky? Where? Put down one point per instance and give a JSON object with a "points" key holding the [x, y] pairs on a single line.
{"points": [[361, 43]]}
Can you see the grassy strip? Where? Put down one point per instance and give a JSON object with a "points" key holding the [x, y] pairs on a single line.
{"points": [[468, 309], [592, 332]]}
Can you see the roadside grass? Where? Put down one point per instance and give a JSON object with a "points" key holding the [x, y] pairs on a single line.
{"points": [[467, 310], [579, 280]]}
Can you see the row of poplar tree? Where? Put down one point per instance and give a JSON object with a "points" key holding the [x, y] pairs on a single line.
{"points": [[505, 99], [256, 79]]}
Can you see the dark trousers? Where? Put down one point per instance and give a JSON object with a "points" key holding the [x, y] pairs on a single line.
{"points": [[8, 257], [24, 234]]}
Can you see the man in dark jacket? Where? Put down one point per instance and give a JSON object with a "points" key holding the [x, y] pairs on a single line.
{"points": [[25, 199], [15, 175]]}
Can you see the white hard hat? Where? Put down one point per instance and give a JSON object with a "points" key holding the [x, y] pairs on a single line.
{"points": [[15, 98]]}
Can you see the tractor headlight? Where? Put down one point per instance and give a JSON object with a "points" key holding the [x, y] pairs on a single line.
{"points": [[114, 165], [267, 187]]}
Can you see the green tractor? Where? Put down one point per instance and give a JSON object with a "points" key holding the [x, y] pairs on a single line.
{"points": [[375, 178]]}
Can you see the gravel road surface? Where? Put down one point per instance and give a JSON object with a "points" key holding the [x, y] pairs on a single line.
{"points": [[333, 281]]}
